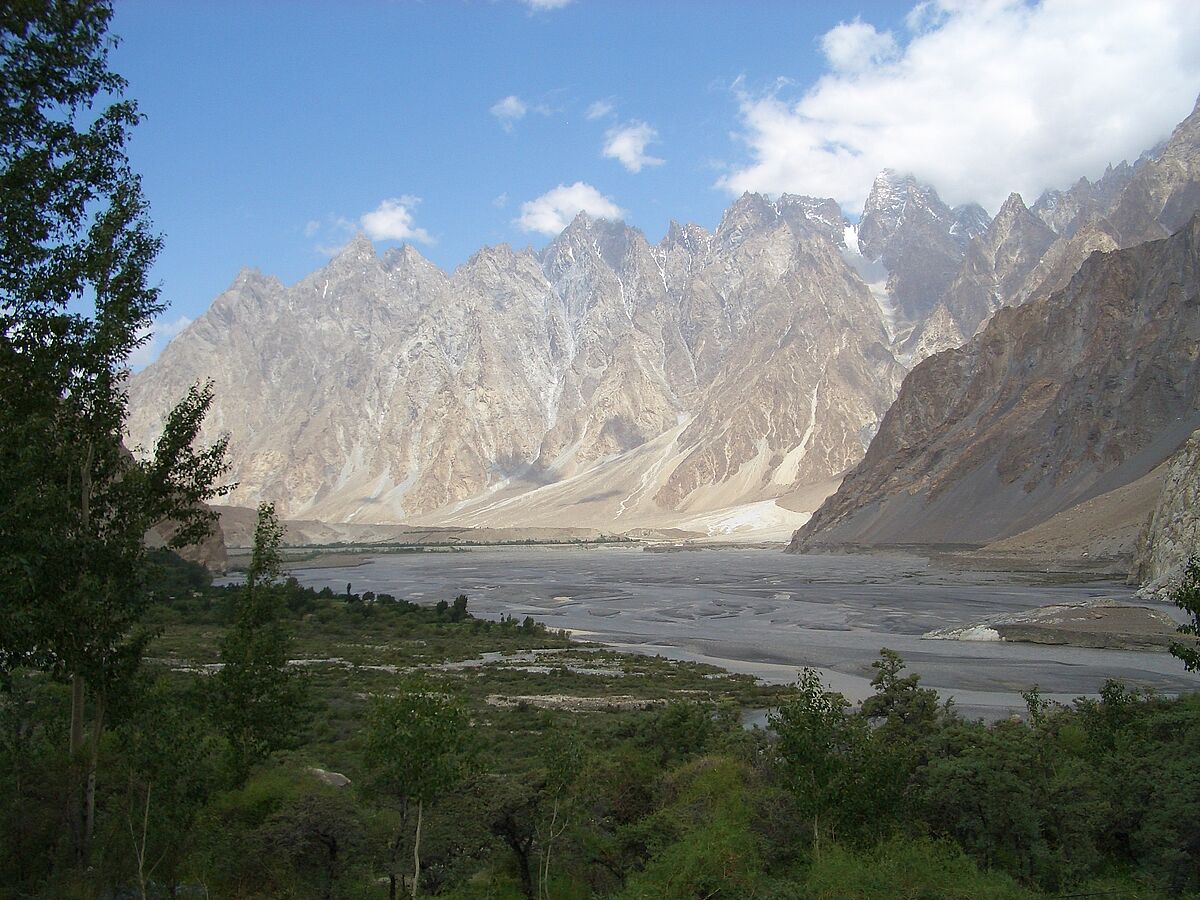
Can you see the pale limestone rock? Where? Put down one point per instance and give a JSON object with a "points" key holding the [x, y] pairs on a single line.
{"points": [[1172, 534]]}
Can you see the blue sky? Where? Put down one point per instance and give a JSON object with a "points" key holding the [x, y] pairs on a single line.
{"points": [[274, 130]]}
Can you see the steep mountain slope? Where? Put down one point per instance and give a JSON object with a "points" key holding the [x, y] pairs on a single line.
{"points": [[708, 371], [1027, 253], [1172, 531], [994, 272], [918, 240], [1055, 401]]}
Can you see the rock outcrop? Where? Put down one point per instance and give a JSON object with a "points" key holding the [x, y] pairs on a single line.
{"points": [[212, 552], [609, 382], [919, 240], [707, 371], [1053, 402], [1172, 534]]}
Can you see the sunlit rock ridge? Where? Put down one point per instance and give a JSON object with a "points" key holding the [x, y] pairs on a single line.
{"points": [[717, 380], [1086, 387]]}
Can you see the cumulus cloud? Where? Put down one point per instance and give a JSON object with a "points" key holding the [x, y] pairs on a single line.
{"points": [[509, 110], [855, 46], [627, 144], [392, 220], [158, 335], [544, 5], [500, 200], [554, 210], [600, 109], [980, 98]]}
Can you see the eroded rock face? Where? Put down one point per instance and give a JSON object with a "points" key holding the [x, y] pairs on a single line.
{"points": [[211, 553], [1172, 534], [385, 390], [994, 273], [1052, 402], [918, 239]]}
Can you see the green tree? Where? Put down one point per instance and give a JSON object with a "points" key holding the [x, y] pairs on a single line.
{"points": [[1187, 597], [900, 707], [258, 697], [75, 250], [168, 754], [418, 747], [816, 740]]}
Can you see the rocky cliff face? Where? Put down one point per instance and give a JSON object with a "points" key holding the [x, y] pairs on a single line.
{"points": [[1064, 398], [607, 381], [212, 553], [994, 272], [1172, 534], [383, 390], [919, 240]]}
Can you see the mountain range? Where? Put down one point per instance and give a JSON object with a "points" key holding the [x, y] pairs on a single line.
{"points": [[719, 381]]}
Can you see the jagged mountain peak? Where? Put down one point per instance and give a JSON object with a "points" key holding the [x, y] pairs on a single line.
{"points": [[970, 221], [405, 256], [249, 276], [692, 237], [749, 209], [1013, 206], [359, 248], [819, 214], [608, 240]]}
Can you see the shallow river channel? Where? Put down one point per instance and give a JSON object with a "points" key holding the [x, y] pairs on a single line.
{"points": [[769, 613]]}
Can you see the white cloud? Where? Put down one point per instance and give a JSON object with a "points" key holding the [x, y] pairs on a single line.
{"points": [[985, 97], [159, 334], [627, 144], [311, 227], [392, 220], [543, 5], [509, 110], [554, 210], [600, 109], [500, 200], [855, 46]]}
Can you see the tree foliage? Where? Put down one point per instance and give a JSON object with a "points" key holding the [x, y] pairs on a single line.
{"points": [[418, 746], [76, 247], [1187, 597], [258, 696]]}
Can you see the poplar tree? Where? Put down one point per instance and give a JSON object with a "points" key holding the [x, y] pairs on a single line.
{"points": [[76, 246], [259, 697]]}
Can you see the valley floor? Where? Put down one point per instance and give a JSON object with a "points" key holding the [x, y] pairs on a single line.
{"points": [[767, 614]]}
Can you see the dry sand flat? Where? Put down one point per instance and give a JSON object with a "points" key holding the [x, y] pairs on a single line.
{"points": [[768, 613]]}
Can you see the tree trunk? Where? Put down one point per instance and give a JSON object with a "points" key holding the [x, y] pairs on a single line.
{"points": [[524, 873], [75, 747], [139, 848], [417, 850], [93, 764]]}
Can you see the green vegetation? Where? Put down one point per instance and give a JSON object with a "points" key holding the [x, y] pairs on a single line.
{"points": [[75, 251], [269, 740], [479, 768], [1187, 597]]}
